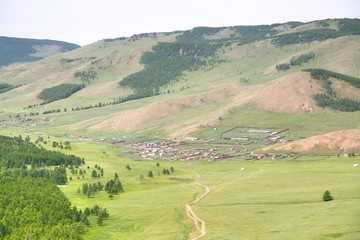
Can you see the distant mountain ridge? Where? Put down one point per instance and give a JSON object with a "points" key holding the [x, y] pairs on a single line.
{"points": [[14, 50]]}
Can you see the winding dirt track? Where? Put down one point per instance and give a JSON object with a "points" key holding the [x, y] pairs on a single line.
{"points": [[198, 223]]}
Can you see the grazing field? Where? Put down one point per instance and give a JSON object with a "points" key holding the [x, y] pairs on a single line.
{"points": [[150, 208], [247, 199], [281, 200]]}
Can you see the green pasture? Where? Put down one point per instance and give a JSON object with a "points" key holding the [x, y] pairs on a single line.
{"points": [[267, 200], [281, 200], [150, 208]]}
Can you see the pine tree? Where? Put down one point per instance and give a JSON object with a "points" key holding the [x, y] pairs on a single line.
{"points": [[99, 220], [128, 167], [327, 196]]}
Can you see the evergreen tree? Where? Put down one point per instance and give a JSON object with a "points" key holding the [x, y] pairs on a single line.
{"points": [[327, 196], [93, 174], [99, 220], [128, 167]]}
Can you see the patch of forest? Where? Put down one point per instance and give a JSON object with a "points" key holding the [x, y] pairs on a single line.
{"points": [[345, 27], [34, 208], [165, 64], [296, 61], [59, 92], [31, 204], [330, 99], [191, 51], [18, 152]]}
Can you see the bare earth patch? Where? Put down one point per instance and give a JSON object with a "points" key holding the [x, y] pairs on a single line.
{"points": [[291, 93], [133, 119], [345, 141]]}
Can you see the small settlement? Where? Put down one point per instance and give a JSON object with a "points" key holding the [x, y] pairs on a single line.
{"points": [[178, 151]]}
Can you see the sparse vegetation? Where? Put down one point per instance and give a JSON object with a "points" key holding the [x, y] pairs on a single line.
{"points": [[86, 76]]}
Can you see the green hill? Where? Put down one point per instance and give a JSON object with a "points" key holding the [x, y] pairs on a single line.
{"points": [[14, 50], [175, 82]]}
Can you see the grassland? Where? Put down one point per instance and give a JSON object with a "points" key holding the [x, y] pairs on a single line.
{"points": [[267, 200], [280, 200], [150, 208]]}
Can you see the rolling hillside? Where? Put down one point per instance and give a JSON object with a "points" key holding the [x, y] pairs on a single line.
{"points": [[171, 84], [20, 50]]}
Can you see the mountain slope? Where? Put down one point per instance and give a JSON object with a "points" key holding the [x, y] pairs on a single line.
{"points": [[340, 141], [219, 72], [14, 50]]}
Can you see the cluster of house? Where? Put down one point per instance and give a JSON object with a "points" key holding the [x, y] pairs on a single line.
{"points": [[81, 138], [158, 150], [26, 121], [272, 156]]}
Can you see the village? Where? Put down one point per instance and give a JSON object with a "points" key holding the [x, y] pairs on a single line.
{"points": [[180, 151]]}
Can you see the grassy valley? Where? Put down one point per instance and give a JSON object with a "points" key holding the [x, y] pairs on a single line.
{"points": [[211, 133]]}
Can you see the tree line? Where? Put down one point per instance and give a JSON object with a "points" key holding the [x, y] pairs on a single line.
{"points": [[345, 27], [296, 61], [17, 152]]}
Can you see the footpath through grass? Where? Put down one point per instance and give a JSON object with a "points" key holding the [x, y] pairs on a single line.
{"points": [[281, 200]]}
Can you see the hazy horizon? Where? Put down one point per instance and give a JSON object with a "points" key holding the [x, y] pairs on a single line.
{"points": [[83, 22]]}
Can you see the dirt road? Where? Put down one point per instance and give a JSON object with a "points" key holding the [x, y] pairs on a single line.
{"points": [[198, 223]]}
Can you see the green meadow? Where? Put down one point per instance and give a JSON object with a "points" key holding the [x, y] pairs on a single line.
{"points": [[265, 200]]}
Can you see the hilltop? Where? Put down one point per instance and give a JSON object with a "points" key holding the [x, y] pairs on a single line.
{"points": [[20, 50]]}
